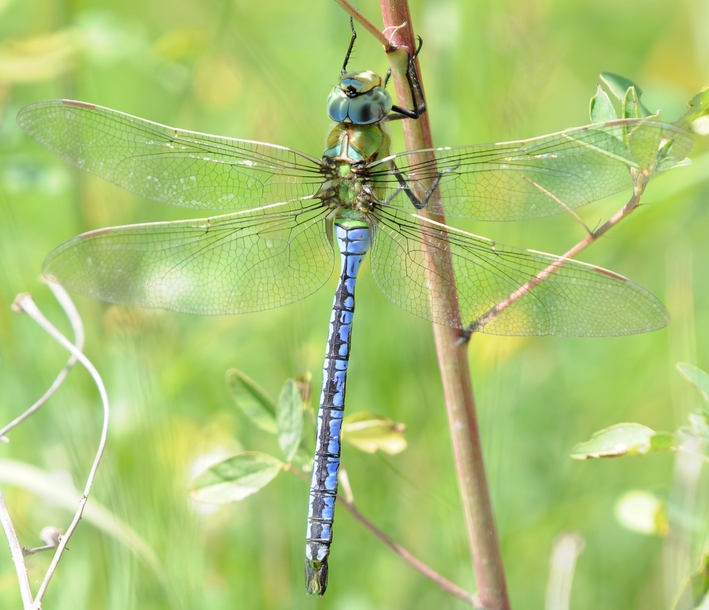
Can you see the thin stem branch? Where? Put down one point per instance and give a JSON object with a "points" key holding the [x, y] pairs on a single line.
{"points": [[78, 328], [419, 565], [25, 304], [364, 22], [18, 556], [38, 549], [640, 181], [452, 356], [346, 499]]}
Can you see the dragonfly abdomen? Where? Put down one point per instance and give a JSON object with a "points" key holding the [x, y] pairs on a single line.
{"points": [[353, 240]]}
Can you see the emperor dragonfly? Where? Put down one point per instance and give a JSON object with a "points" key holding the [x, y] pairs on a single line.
{"points": [[273, 247]]}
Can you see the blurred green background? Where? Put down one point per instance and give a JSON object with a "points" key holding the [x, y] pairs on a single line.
{"points": [[262, 70]]}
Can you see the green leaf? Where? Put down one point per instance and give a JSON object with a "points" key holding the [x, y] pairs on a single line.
{"points": [[629, 95], [698, 425], [371, 433], [663, 441], [256, 404], [621, 439], [704, 604], [642, 512], [696, 118], [697, 377], [630, 105], [289, 416], [618, 85], [235, 478], [601, 109]]}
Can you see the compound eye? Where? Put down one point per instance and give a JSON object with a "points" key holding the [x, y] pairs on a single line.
{"points": [[371, 107], [338, 104], [359, 98]]}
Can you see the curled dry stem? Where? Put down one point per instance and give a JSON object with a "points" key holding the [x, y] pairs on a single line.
{"points": [[78, 329], [24, 304]]}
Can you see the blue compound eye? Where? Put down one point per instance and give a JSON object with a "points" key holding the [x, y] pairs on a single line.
{"points": [[370, 107], [359, 98]]}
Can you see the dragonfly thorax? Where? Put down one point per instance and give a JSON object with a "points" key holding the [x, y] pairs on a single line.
{"points": [[347, 190], [359, 98], [357, 144], [348, 183]]}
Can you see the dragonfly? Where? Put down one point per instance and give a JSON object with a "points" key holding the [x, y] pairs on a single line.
{"points": [[279, 211]]}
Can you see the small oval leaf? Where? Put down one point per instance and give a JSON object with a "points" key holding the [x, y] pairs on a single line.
{"points": [[601, 109], [698, 425], [289, 417], [370, 433], [696, 118], [618, 85], [633, 108], [663, 441], [696, 376], [235, 478], [629, 95], [621, 439], [255, 403]]}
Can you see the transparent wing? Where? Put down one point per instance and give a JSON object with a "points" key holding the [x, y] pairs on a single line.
{"points": [[182, 168], [578, 300], [542, 176], [235, 263]]}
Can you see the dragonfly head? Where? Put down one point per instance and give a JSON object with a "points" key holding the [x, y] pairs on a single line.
{"points": [[359, 98]]}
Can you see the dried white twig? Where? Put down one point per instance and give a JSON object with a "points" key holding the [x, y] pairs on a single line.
{"points": [[78, 328], [17, 555], [567, 548], [25, 304]]}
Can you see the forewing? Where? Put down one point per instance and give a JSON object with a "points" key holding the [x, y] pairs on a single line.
{"points": [[235, 263], [577, 300], [537, 177], [182, 168]]}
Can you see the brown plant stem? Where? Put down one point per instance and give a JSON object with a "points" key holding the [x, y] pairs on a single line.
{"points": [[453, 357], [364, 22], [444, 583], [349, 504], [640, 182]]}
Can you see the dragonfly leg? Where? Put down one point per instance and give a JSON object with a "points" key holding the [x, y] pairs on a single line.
{"points": [[397, 112], [419, 204], [349, 49], [465, 335]]}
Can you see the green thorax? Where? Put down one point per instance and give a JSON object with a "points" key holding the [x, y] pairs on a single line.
{"points": [[351, 186], [357, 143]]}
